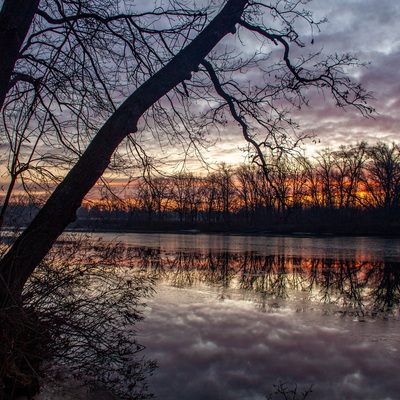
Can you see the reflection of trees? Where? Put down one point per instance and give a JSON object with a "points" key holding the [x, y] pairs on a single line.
{"points": [[340, 282], [219, 269], [351, 283], [385, 286], [355, 286], [264, 274], [182, 270]]}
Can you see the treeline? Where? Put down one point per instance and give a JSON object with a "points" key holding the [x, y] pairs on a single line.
{"points": [[354, 189]]}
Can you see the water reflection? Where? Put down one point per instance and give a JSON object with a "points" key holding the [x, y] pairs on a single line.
{"points": [[358, 287], [233, 315]]}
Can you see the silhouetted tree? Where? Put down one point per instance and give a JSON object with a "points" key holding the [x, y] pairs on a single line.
{"points": [[382, 180], [168, 63], [349, 170]]}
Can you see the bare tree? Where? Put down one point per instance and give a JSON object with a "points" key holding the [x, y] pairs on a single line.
{"points": [[382, 180], [251, 191], [78, 60], [170, 75], [96, 73], [83, 303], [226, 192], [27, 160], [312, 182], [349, 163], [325, 170], [210, 193], [298, 188], [15, 21], [181, 187], [68, 196]]}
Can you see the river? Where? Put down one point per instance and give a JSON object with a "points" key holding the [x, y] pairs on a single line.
{"points": [[232, 316]]}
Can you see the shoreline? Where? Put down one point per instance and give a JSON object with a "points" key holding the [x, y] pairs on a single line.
{"points": [[242, 232]]}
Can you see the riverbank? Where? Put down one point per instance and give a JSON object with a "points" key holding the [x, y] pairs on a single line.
{"points": [[360, 228]]}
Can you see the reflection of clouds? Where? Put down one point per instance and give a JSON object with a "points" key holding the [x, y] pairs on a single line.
{"points": [[228, 350]]}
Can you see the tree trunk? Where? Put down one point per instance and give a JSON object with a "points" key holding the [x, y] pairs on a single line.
{"points": [[6, 201], [15, 20], [60, 209]]}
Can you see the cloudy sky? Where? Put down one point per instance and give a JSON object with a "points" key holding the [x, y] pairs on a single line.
{"points": [[369, 29]]}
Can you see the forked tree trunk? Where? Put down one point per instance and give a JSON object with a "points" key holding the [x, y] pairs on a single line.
{"points": [[60, 209]]}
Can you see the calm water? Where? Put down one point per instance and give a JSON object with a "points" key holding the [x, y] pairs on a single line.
{"points": [[234, 315]]}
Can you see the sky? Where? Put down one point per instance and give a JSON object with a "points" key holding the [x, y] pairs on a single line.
{"points": [[370, 30]]}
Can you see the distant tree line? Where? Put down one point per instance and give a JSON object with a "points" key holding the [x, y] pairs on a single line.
{"points": [[352, 188]]}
